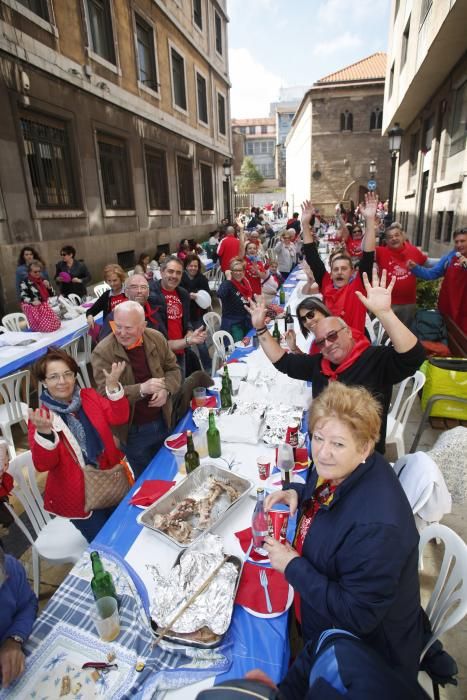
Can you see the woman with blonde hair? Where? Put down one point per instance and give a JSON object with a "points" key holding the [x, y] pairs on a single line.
{"points": [[354, 559], [235, 292], [115, 277]]}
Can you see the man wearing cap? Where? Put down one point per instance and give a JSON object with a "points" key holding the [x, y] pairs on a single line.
{"points": [[346, 359], [174, 310]]}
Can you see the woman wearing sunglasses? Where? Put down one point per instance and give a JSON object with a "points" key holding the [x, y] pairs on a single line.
{"points": [[308, 313]]}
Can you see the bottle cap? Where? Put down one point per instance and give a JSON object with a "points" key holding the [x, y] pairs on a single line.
{"points": [[259, 489], [188, 433]]}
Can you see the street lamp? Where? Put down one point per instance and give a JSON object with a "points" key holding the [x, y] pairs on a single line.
{"points": [[227, 165], [395, 139], [372, 169]]}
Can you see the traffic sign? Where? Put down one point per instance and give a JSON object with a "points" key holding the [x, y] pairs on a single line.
{"points": [[371, 185]]}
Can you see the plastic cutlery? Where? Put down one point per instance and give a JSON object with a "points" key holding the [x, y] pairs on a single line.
{"points": [[264, 582]]}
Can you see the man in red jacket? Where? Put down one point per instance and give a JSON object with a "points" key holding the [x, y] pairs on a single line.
{"points": [[228, 248], [394, 258]]}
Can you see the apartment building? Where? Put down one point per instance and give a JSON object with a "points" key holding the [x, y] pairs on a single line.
{"points": [[426, 94], [115, 125], [335, 134], [284, 111], [259, 144]]}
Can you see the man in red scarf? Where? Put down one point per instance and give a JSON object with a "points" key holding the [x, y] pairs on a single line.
{"points": [[346, 359]]}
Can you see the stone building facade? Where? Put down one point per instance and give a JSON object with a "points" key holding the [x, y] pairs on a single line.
{"points": [[115, 124], [426, 94], [335, 134], [259, 145]]}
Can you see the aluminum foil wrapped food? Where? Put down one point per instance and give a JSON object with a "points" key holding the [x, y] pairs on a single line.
{"points": [[213, 607], [276, 420]]}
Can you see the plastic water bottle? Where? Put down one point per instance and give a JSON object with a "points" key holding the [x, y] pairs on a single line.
{"points": [[259, 521]]}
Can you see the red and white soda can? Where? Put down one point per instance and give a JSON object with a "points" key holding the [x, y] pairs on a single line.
{"points": [[291, 436]]}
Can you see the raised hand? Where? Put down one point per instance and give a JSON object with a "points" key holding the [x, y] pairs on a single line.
{"points": [[307, 212], [378, 296], [258, 312], [371, 205], [112, 378], [42, 420]]}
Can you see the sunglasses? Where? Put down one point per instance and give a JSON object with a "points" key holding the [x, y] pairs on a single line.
{"points": [[64, 254], [308, 316], [331, 337]]}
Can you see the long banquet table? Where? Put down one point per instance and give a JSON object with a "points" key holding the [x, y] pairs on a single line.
{"points": [[256, 641]]}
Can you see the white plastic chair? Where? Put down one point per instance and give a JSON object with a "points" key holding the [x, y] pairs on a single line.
{"points": [[400, 410], [99, 289], [375, 330], [15, 322], [220, 350], [212, 321], [75, 299], [56, 539], [215, 279], [448, 602], [13, 410], [81, 357]]}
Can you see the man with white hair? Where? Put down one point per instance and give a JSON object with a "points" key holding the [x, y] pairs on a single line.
{"points": [[18, 606], [150, 377]]}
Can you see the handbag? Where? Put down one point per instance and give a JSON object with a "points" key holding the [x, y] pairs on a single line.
{"points": [[41, 317], [104, 488]]}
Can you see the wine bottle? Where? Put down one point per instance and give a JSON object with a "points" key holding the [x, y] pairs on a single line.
{"points": [[276, 333], [214, 438], [289, 324], [191, 456], [102, 584], [259, 522]]}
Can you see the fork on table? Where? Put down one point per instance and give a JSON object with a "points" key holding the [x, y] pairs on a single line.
{"points": [[264, 582]]}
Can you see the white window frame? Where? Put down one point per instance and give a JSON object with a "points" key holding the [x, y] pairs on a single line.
{"points": [[32, 17], [176, 48], [203, 17], [219, 133], [142, 86], [205, 77], [221, 55], [114, 67]]}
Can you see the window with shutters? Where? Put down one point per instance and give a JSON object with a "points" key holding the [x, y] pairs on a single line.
{"points": [[186, 190], [157, 179], [113, 160], [178, 79]]}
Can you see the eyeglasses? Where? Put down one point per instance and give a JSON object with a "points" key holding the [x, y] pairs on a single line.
{"points": [[308, 316], [138, 286], [238, 269], [331, 337], [357, 230], [67, 376]]}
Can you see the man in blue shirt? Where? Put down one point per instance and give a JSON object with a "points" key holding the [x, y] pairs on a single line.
{"points": [[18, 606]]}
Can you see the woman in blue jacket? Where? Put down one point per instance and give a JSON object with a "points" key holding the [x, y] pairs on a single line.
{"points": [[354, 559]]}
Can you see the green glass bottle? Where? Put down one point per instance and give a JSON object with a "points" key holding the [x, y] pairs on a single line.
{"points": [[191, 456], [226, 393], [102, 584], [214, 438], [282, 296], [229, 381], [276, 333]]}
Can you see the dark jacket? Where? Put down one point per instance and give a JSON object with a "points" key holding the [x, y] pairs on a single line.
{"points": [[101, 304], [78, 269], [17, 602], [359, 565], [157, 301], [194, 285], [233, 308], [377, 369]]}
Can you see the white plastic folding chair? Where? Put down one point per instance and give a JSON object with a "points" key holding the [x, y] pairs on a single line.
{"points": [[223, 343], [448, 602], [212, 321], [400, 410], [12, 409], [375, 330], [75, 299], [99, 289], [55, 539], [15, 322], [216, 279], [81, 357]]}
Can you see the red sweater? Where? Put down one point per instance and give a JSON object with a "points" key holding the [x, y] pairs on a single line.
{"points": [[229, 247], [64, 488]]}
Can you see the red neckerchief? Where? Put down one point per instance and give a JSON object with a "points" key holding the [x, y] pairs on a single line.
{"points": [[150, 313], [130, 347], [243, 287], [358, 349], [39, 283]]}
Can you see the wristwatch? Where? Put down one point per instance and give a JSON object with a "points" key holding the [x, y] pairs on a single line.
{"points": [[16, 638]]}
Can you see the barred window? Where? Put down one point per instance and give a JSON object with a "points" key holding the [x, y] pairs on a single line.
{"points": [[39, 7], [202, 98], [158, 183], [114, 172], [100, 26], [146, 54], [47, 149], [186, 190], [178, 79], [207, 191]]}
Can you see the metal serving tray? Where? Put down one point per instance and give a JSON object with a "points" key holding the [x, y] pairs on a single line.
{"points": [[189, 641], [189, 486]]}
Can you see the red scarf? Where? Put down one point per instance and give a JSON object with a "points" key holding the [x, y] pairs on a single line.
{"points": [[150, 313], [243, 287], [39, 284], [361, 344]]}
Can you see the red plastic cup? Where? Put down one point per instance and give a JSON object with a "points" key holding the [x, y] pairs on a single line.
{"points": [[264, 467], [278, 519]]}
